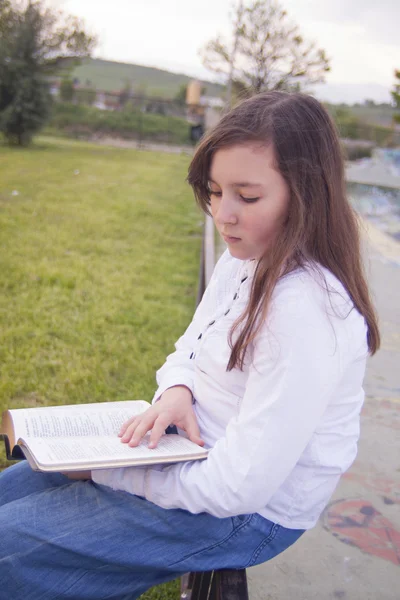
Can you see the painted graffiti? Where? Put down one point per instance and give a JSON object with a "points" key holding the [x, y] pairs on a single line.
{"points": [[357, 523], [388, 488]]}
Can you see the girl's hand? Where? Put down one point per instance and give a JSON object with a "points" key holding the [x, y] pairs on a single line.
{"points": [[173, 408]]}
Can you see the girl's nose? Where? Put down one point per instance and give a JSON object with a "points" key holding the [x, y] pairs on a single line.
{"points": [[226, 211]]}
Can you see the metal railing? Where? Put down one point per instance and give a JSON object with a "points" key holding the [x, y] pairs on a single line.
{"points": [[207, 258]]}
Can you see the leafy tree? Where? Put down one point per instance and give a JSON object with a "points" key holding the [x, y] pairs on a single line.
{"points": [[27, 112], [396, 96], [35, 43], [266, 52]]}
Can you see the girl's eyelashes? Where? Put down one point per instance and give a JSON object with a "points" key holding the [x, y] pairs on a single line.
{"points": [[249, 200], [244, 198]]}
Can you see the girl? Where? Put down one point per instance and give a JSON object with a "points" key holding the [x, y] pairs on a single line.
{"points": [[268, 375]]}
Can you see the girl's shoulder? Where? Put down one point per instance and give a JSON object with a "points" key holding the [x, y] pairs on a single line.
{"points": [[313, 294], [312, 300], [315, 284]]}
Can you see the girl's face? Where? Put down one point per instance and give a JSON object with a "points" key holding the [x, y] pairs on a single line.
{"points": [[249, 199]]}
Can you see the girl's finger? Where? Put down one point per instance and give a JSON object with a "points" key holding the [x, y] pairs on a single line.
{"points": [[125, 425], [136, 420], [129, 431], [140, 430], [193, 431], [159, 427]]}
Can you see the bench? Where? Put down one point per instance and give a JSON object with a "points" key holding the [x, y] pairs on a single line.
{"points": [[227, 584]]}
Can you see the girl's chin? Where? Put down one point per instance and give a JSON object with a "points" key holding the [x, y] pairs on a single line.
{"points": [[241, 253]]}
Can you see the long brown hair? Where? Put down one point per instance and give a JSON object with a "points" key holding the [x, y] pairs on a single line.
{"points": [[322, 227]]}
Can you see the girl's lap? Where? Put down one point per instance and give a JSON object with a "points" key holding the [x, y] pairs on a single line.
{"points": [[90, 538]]}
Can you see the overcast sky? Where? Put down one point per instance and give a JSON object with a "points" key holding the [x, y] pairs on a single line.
{"points": [[360, 36]]}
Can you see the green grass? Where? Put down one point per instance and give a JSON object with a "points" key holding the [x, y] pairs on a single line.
{"points": [[98, 274], [98, 271]]}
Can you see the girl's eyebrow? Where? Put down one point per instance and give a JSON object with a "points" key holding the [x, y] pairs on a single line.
{"points": [[240, 183]]}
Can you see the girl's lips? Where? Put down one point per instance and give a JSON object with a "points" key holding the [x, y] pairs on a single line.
{"points": [[229, 239]]}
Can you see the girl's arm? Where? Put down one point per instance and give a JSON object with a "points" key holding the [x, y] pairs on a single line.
{"points": [[299, 359]]}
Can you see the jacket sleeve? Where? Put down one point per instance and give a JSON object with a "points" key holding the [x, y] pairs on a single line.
{"points": [[297, 364], [178, 368]]}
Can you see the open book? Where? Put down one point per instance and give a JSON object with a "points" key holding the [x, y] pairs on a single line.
{"points": [[85, 437]]}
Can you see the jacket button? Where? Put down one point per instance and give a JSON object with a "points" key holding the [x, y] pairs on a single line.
{"points": [[212, 323], [191, 356], [227, 311], [200, 336], [235, 296]]}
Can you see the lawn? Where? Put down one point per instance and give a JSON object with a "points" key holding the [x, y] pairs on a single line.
{"points": [[98, 273]]}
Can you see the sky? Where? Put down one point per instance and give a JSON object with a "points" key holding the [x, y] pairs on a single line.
{"points": [[361, 37]]}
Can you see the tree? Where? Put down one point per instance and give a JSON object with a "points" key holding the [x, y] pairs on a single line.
{"points": [[35, 43], [396, 96], [266, 52]]}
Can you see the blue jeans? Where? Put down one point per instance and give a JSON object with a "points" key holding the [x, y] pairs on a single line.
{"points": [[64, 539]]}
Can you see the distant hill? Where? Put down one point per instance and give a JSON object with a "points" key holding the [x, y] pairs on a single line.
{"points": [[112, 76]]}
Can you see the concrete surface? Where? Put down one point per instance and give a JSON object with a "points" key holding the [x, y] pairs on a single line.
{"points": [[373, 172]]}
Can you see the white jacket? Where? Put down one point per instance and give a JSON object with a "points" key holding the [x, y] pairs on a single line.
{"points": [[284, 429]]}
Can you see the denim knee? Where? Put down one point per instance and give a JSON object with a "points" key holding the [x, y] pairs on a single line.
{"points": [[7, 537], [19, 481]]}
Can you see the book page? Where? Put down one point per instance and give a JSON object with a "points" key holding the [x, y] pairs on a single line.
{"points": [[97, 451], [96, 419]]}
